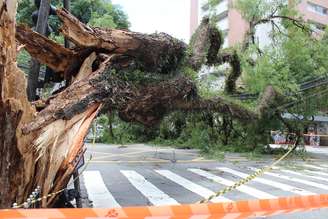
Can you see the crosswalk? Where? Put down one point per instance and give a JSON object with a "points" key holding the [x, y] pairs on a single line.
{"points": [[97, 190], [297, 180], [278, 185], [245, 189], [193, 187], [185, 185], [155, 196]]}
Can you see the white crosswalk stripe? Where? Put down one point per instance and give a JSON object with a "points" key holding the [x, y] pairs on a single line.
{"points": [[245, 189], [317, 172], [193, 187], [314, 167], [97, 190], [281, 186], [151, 192], [325, 166], [298, 180], [305, 175]]}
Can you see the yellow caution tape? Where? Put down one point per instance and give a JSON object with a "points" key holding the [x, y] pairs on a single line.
{"points": [[250, 177]]}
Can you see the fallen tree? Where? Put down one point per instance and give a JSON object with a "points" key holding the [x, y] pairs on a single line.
{"points": [[40, 140]]}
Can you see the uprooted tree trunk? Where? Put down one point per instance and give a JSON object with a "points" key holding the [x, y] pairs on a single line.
{"points": [[39, 147]]}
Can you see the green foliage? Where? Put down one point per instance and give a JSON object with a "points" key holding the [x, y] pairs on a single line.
{"points": [[295, 59], [27, 7], [98, 13], [189, 72], [25, 10], [269, 69], [58, 38], [123, 132], [23, 60], [105, 20], [255, 10]]}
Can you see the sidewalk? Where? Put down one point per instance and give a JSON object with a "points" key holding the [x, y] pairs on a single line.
{"points": [[322, 150]]}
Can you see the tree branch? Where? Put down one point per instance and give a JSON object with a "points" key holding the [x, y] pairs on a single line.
{"points": [[157, 52], [46, 51]]}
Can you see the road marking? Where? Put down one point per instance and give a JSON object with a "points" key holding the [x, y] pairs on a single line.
{"points": [[300, 174], [129, 154], [149, 161], [324, 165], [282, 186], [317, 172], [193, 187], [151, 192], [97, 190], [314, 167], [294, 179], [245, 189], [119, 155], [128, 161]]}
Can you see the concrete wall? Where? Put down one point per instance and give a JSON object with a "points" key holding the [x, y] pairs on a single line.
{"points": [[194, 14], [238, 26]]}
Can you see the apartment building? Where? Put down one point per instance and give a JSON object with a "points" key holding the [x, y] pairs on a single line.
{"points": [[234, 26]]}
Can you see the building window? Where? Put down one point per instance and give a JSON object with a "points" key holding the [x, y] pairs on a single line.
{"points": [[317, 9]]}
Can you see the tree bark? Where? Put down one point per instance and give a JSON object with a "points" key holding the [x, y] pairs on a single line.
{"points": [[17, 157], [62, 60], [53, 54]]}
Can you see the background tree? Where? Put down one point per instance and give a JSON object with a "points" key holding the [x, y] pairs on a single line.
{"points": [[293, 57]]}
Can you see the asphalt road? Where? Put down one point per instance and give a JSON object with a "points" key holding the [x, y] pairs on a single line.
{"points": [[139, 175]]}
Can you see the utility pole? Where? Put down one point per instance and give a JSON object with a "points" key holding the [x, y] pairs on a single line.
{"points": [[41, 27], [66, 4]]}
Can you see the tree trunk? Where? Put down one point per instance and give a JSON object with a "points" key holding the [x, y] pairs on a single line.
{"points": [[17, 157]]}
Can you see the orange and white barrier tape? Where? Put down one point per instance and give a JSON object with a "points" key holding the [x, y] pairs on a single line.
{"points": [[228, 210]]}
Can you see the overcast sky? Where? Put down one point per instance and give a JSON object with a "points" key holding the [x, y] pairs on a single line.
{"points": [[149, 16]]}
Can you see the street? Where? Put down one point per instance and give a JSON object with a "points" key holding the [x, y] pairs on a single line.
{"points": [[139, 175]]}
